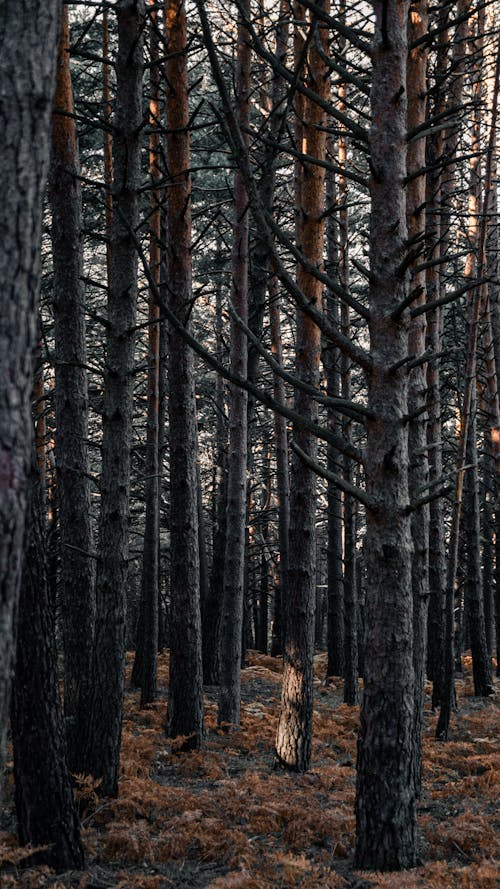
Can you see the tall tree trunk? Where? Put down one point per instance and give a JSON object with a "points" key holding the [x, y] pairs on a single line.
{"points": [[45, 811], [331, 362], [294, 733], [418, 479], [212, 605], [71, 412], [108, 667], [234, 560], [474, 606], [150, 575], [28, 53], [282, 478], [437, 560], [185, 700], [385, 799]]}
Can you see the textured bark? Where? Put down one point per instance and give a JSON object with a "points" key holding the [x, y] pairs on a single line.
{"points": [[211, 606], [44, 803], [234, 560], [150, 556], [385, 799], [349, 580], [418, 479], [105, 731], [474, 606], [437, 561], [478, 298], [185, 701], [77, 571], [282, 477], [331, 364], [108, 138], [294, 733], [28, 52]]}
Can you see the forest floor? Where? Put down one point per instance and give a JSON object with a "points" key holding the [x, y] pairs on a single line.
{"points": [[225, 818]]}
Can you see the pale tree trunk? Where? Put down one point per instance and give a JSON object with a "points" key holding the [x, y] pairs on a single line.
{"points": [[234, 559], [185, 700], [28, 53], [103, 755], [71, 410], [418, 479], [385, 799], [46, 815], [294, 733]]}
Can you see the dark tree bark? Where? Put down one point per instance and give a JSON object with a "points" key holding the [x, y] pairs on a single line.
{"points": [[294, 733], [28, 32], [185, 702], [331, 363], [418, 480], [385, 799], [437, 558], [282, 478], [103, 754], [234, 559], [147, 648], [211, 606], [474, 606], [45, 812], [77, 563]]}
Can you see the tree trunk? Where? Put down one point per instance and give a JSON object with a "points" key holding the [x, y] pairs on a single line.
{"points": [[150, 576], [212, 605], [418, 479], [234, 560], [331, 362], [108, 667], [77, 564], [437, 560], [44, 803], [185, 701], [385, 800], [28, 32], [282, 479], [474, 607], [294, 734]]}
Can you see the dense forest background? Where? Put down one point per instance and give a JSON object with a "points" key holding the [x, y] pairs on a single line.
{"points": [[249, 442]]}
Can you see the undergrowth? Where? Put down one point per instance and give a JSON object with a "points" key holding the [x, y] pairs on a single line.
{"points": [[224, 818]]}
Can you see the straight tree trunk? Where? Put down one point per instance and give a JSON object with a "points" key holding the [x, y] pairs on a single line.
{"points": [[474, 605], [385, 798], [436, 250], [28, 53], [331, 363], [103, 756], [77, 571], [294, 733], [282, 477], [185, 700], [349, 581], [150, 574], [45, 811], [234, 560], [418, 480]]}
